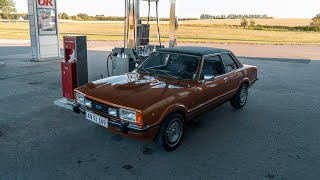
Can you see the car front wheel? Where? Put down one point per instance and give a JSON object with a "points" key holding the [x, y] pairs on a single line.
{"points": [[240, 99], [171, 132]]}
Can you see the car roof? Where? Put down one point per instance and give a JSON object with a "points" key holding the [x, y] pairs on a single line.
{"points": [[193, 50]]}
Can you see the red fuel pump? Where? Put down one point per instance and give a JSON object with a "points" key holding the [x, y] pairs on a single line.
{"points": [[74, 68]]}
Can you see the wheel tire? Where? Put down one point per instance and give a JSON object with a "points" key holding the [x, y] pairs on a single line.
{"points": [[171, 132], [240, 99]]}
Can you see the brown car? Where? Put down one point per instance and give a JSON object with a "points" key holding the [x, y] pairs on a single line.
{"points": [[170, 88]]}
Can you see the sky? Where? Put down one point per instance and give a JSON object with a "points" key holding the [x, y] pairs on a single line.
{"points": [[192, 8]]}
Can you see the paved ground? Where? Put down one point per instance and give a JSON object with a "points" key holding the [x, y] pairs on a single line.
{"points": [[310, 52], [276, 136]]}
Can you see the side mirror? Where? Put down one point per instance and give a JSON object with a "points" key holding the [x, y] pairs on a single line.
{"points": [[207, 77]]}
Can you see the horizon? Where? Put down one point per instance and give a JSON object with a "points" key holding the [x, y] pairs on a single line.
{"points": [[272, 8]]}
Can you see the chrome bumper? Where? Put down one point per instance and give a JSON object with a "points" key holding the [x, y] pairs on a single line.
{"points": [[123, 127]]}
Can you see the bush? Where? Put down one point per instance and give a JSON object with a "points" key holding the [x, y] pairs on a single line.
{"points": [[252, 23], [85, 17], [244, 23], [315, 24], [64, 16], [76, 18]]}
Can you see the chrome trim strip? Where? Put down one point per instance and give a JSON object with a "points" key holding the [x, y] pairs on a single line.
{"points": [[76, 91], [130, 126], [214, 54]]}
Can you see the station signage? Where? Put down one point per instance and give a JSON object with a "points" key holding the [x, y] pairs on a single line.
{"points": [[47, 17], [44, 29], [50, 4]]}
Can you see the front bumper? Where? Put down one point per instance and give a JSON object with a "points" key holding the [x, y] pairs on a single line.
{"points": [[123, 127]]}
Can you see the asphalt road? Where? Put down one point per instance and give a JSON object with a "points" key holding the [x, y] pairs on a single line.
{"points": [[276, 136]]}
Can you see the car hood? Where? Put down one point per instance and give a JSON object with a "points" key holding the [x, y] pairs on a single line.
{"points": [[134, 90]]}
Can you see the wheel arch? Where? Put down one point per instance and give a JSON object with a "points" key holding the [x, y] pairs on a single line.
{"points": [[178, 108], [244, 81]]}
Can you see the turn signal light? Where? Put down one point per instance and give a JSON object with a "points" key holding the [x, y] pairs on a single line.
{"points": [[139, 117]]}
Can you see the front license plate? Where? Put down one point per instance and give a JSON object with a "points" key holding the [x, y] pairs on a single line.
{"points": [[97, 119]]}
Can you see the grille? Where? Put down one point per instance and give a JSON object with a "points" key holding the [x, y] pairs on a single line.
{"points": [[102, 108]]}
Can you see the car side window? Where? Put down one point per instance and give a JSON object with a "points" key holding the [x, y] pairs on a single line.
{"points": [[229, 62], [212, 66]]}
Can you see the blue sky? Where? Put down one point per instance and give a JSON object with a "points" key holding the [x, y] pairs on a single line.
{"points": [[192, 8]]}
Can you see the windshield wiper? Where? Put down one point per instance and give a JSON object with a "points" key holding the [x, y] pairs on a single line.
{"points": [[165, 72]]}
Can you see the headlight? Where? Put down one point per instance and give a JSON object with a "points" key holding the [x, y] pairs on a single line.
{"points": [[127, 115], [113, 112], [88, 103], [80, 99]]}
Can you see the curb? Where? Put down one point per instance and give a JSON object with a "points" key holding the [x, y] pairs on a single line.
{"points": [[64, 103], [46, 59]]}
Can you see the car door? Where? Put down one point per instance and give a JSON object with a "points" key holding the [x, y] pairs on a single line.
{"points": [[212, 90], [233, 74]]}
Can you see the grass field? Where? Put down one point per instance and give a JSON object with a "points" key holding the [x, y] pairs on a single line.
{"points": [[265, 22], [189, 31]]}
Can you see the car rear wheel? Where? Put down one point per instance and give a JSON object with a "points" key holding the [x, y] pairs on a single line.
{"points": [[240, 99], [171, 132]]}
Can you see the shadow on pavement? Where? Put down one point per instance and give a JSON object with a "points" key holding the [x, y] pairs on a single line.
{"points": [[15, 53], [302, 61], [24, 52], [14, 50]]}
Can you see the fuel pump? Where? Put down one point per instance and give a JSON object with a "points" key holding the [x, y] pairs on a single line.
{"points": [[74, 68], [137, 38], [145, 49]]}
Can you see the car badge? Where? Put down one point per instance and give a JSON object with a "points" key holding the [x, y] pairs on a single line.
{"points": [[98, 107]]}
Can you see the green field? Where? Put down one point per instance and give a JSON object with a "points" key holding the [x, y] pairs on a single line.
{"points": [[193, 31]]}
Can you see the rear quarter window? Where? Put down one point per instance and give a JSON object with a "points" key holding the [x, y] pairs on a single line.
{"points": [[229, 62]]}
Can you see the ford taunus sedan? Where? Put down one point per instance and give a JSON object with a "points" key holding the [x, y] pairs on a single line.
{"points": [[169, 89]]}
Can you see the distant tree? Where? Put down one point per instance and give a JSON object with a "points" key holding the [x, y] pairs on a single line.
{"points": [[76, 18], [64, 16], [252, 23], [244, 23], [315, 24], [86, 17], [7, 7], [83, 16]]}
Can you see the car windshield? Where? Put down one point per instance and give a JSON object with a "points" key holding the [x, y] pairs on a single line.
{"points": [[176, 66]]}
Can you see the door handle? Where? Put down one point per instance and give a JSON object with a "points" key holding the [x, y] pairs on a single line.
{"points": [[225, 79]]}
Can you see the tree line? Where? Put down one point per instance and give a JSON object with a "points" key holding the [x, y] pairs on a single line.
{"points": [[314, 25], [15, 16], [9, 11], [235, 16], [85, 17]]}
